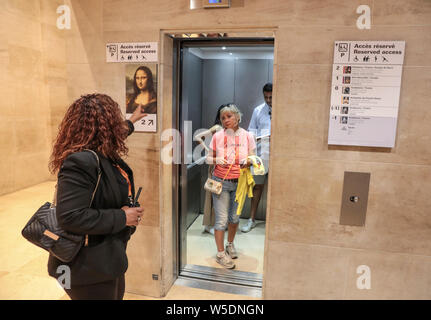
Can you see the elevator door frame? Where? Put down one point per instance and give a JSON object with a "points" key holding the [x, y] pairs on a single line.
{"points": [[218, 279]]}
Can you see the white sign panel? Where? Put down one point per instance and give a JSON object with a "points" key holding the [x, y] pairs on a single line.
{"points": [[366, 80], [132, 52], [146, 124]]}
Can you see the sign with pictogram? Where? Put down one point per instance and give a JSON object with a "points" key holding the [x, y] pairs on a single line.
{"points": [[132, 52], [365, 91]]}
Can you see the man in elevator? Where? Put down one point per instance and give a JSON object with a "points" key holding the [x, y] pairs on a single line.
{"points": [[260, 126]]}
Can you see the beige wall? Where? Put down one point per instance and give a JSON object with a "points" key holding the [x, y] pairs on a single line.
{"points": [[24, 96], [308, 254]]}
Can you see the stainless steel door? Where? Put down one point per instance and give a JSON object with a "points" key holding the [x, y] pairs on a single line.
{"points": [[190, 119], [196, 110]]}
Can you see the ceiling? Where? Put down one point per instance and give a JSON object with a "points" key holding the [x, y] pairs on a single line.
{"points": [[230, 52]]}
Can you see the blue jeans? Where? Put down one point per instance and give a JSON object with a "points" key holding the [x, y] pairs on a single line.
{"points": [[225, 205]]}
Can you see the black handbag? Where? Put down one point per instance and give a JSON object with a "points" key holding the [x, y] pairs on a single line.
{"points": [[43, 229]]}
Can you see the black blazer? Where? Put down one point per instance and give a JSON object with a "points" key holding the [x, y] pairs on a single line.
{"points": [[105, 223]]}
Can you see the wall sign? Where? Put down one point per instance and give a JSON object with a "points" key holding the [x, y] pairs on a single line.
{"points": [[366, 80], [141, 92], [132, 52]]}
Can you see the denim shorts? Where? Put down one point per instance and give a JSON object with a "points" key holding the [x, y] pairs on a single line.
{"points": [[225, 205]]}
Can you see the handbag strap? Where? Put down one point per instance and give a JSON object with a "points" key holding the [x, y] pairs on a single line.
{"points": [[227, 171], [225, 146], [236, 155], [99, 173]]}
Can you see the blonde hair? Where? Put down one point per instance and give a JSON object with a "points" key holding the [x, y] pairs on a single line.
{"points": [[234, 109]]}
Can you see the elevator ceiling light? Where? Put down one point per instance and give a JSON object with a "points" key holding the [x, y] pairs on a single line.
{"points": [[223, 48], [230, 53]]}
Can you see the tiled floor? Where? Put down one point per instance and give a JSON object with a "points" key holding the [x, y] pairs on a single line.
{"points": [[201, 247], [23, 273]]}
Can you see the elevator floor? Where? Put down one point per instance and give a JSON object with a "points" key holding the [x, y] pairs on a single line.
{"points": [[202, 250]]}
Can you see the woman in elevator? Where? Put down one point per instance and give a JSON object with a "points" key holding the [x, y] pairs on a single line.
{"points": [[144, 94], [95, 122], [229, 149], [209, 217]]}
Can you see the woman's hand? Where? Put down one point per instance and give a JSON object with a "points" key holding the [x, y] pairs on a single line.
{"points": [[133, 215], [138, 114], [246, 164]]}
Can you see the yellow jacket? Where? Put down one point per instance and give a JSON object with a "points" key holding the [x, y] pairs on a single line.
{"points": [[245, 187]]}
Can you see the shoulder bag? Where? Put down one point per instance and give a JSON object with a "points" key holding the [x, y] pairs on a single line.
{"points": [[43, 229], [215, 186]]}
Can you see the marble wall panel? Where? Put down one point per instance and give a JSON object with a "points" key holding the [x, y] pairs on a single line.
{"points": [[31, 135], [305, 13], [29, 101], [8, 150], [80, 80], [7, 164], [147, 35], [168, 233], [85, 49], [114, 18], [48, 9], [7, 101], [4, 47], [24, 95], [308, 210], [86, 17], [27, 30], [318, 42], [305, 92], [145, 166], [393, 276], [25, 64], [399, 12], [58, 101], [143, 252], [134, 14], [30, 169], [27, 8], [110, 80], [54, 45], [319, 272], [301, 271]]}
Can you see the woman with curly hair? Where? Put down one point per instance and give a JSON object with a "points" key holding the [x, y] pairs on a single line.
{"points": [[95, 122], [144, 94]]}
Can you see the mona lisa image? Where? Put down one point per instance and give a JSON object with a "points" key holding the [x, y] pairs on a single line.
{"points": [[141, 88]]}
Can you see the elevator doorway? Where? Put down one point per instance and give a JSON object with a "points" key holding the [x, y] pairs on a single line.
{"points": [[210, 73]]}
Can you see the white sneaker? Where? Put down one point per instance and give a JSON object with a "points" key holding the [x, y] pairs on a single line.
{"points": [[225, 260], [230, 250], [209, 229], [250, 225]]}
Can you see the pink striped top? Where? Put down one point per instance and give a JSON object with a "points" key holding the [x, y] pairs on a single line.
{"points": [[234, 147]]}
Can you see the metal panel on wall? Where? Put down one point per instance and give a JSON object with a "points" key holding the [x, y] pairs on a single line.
{"points": [[191, 110], [250, 77], [217, 89]]}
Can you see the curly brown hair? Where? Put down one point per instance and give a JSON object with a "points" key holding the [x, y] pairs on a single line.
{"points": [[94, 122]]}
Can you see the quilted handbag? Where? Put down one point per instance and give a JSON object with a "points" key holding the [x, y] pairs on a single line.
{"points": [[43, 230]]}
